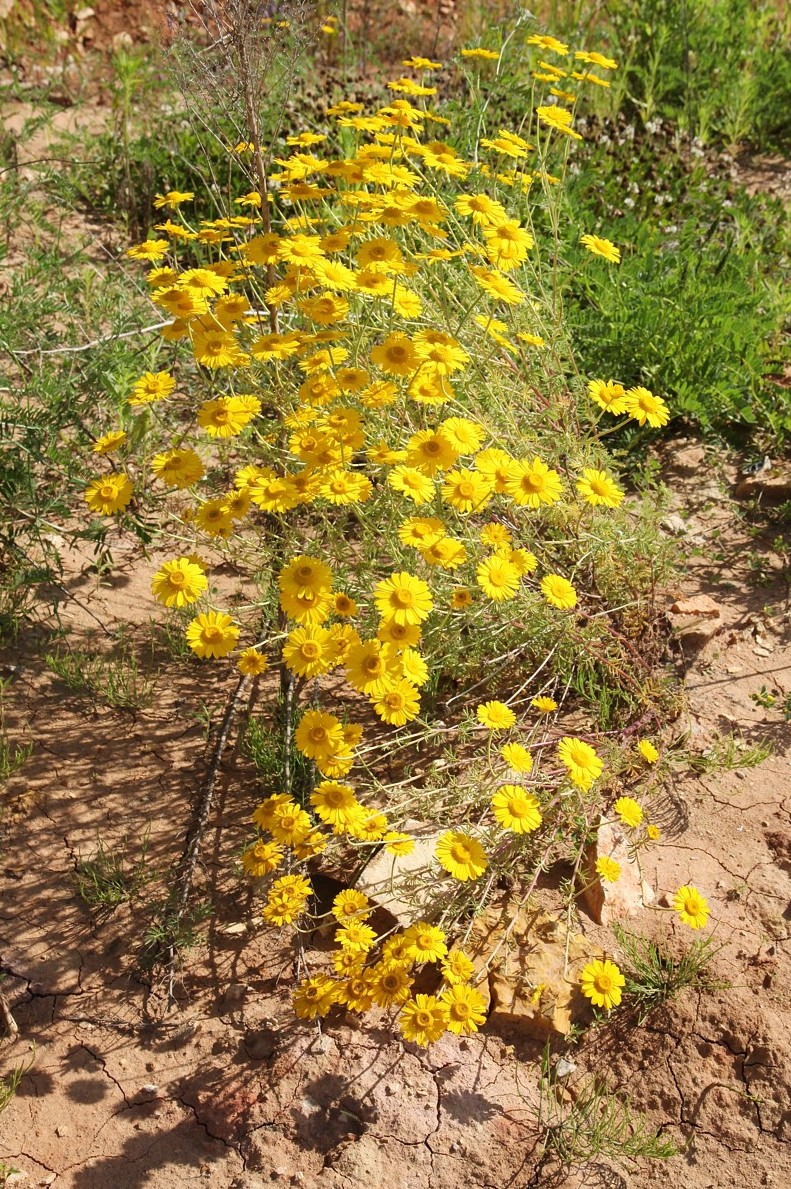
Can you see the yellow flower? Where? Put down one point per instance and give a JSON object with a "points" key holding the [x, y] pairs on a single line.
{"points": [[212, 634], [466, 491], [608, 869], [305, 575], [497, 285], [300, 250], [215, 347], [601, 982], [598, 488], [319, 735], [309, 651], [151, 250], [431, 451], [397, 843], [423, 1019], [482, 209], [399, 703], [356, 936], [559, 119], [464, 435], [424, 943], [496, 716], [544, 705], [357, 992], [691, 906], [350, 904], [558, 592], [109, 494], [152, 386], [391, 984], [178, 468], [371, 667], [461, 855], [325, 308], [460, 599], [342, 487], [608, 395], [507, 244], [403, 598], [252, 663], [601, 247], [457, 968], [178, 583], [643, 406], [421, 531], [466, 1009], [582, 762], [413, 667], [335, 803], [546, 42], [596, 59], [523, 559], [227, 416], [411, 482], [396, 355], [653, 832], [495, 535], [648, 751], [215, 519], [481, 54], [516, 809], [517, 756], [314, 997], [261, 858], [110, 442], [498, 578], [628, 811], [289, 824], [531, 484], [440, 352]]}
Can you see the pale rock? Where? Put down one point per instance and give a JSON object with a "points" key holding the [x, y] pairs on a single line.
{"points": [[605, 901], [535, 964], [234, 996], [675, 524], [404, 885], [565, 1068], [122, 41], [235, 929]]}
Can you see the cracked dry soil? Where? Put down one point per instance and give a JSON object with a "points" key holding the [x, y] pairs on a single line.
{"points": [[229, 1090]]}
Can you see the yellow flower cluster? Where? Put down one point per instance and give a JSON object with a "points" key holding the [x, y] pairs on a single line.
{"points": [[343, 336]]}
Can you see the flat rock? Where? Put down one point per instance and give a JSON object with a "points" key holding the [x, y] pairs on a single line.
{"points": [[533, 979], [404, 885], [605, 901]]}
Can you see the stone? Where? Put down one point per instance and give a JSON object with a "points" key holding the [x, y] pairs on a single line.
{"points": [[565, 1068], [768, 486], [534, 967], [698, 606], [260, 1045], [675, 524], [696, 620], [605, 901], [233, 996], [404, 885]]}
